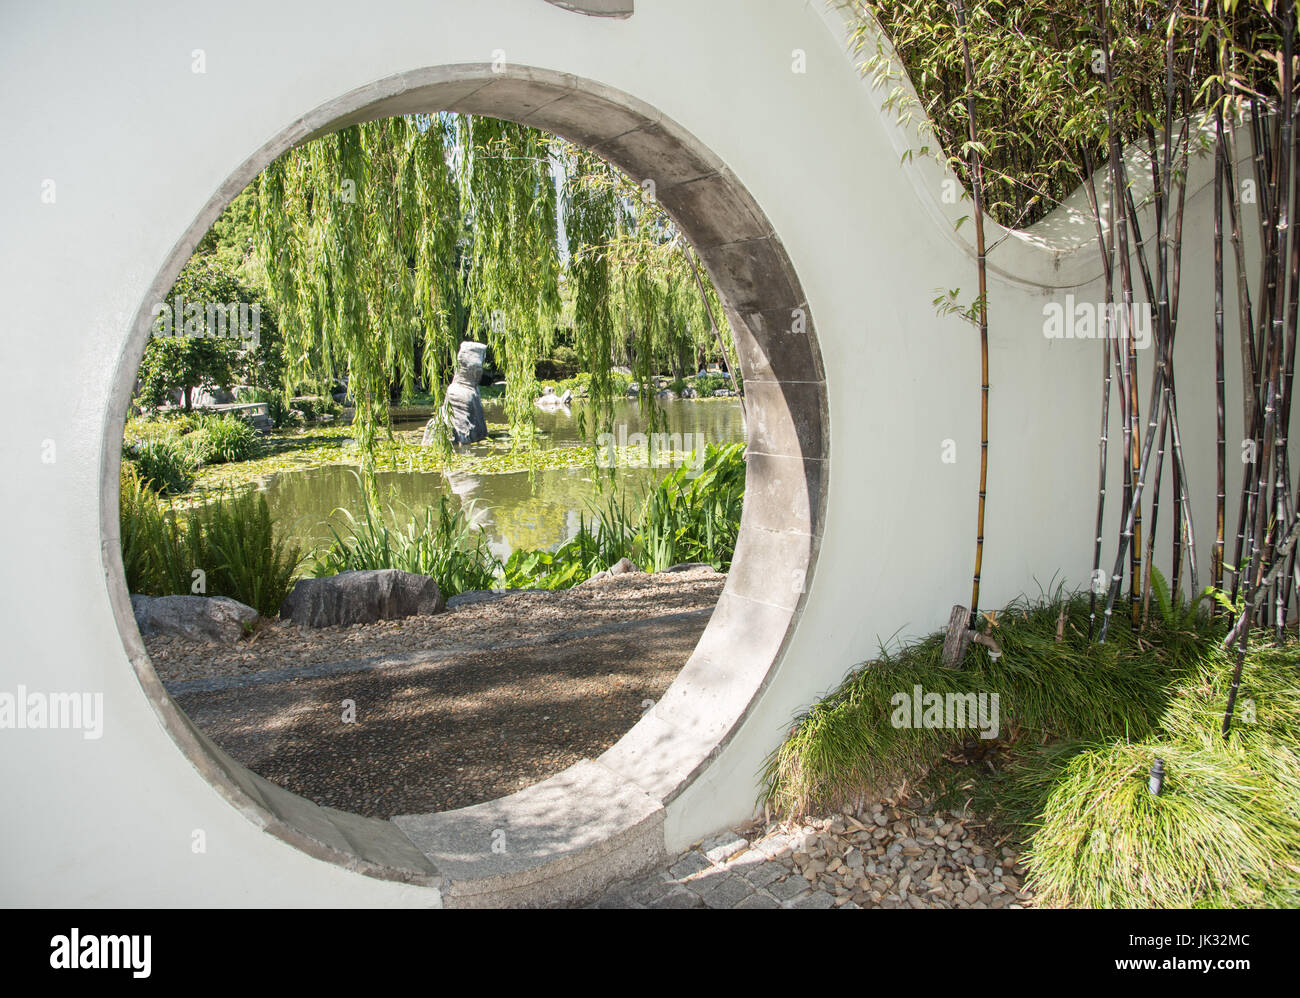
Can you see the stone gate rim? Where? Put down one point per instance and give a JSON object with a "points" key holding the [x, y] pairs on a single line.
{"points": [[600, 818]]}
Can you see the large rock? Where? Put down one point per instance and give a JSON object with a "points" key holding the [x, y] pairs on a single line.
{"points": [[198, 618], [461, 414], [361, 597], [621, 567]]}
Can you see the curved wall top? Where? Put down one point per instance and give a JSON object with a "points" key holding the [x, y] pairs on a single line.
{"points": [[115, 172]]}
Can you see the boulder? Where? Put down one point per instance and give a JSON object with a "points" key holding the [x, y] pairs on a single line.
{"points": [[621, 567], [198, 618], [361, 597]]}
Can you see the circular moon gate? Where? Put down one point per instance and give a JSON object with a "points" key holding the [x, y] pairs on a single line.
{"points": [[603, 818]]}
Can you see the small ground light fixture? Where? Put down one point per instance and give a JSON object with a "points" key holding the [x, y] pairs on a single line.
{"points": [[1156, 779]]}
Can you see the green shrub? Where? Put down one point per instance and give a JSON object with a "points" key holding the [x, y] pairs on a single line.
{"points": [[157, 556], [441, 544], [1080, 725], [707, 384], [692, 515], [242, 554], [600, 542], [695, 515], [163, 464], [231, 540], [224, 440], [1222, 832], [278, 409]]}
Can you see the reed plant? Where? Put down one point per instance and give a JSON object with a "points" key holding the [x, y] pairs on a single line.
{"points": [[441, 543]]}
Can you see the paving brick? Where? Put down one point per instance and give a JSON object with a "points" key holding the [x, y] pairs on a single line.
{"points": [[765, 873], [759, 900], [680, 898], [789, 887], [818, 899], [692, 863], [650, 889], [725, 890], [617, 899]]}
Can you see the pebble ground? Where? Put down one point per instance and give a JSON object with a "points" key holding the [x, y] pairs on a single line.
{"points": [[885, 856]]}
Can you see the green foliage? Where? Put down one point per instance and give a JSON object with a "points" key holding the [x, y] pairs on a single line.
{"points": [[185, 364], [442, 544], [1047, 689], [1174, 620], [1080, 726], [1223, 833], [313, 408], [277, 405], [224, 439], [242, 554], [692, 515], [163, 465], [156, 557], [707, 384], [608, 536], [359, 232], [190, 363], [230, 243], [388, 242], [1040, 87], [232, 540]]}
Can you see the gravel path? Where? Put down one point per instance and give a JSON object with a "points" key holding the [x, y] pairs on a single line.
{"points": [[530, 613], [449, 710], [886, 856]]}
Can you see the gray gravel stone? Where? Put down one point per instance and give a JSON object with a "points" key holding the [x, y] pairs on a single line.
{"points": [[900, 862]]}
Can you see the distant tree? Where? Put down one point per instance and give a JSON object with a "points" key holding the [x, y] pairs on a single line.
{"points": [[196, 360]]}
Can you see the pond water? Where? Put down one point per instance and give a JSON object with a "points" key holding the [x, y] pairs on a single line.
{"points": [[512, 511]]}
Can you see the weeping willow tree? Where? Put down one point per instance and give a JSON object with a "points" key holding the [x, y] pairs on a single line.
{"points": [[360, 232], [639, 297], [387, 242]]}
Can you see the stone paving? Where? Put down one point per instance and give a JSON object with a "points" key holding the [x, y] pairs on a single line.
{"points": [[885, 856]]}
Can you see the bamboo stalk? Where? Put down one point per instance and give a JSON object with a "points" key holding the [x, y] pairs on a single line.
{"points": [[977, 190], [1220, 499], [1106, 243]]}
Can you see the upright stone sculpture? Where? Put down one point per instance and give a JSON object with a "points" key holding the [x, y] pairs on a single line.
{"points": [[462, 408]]}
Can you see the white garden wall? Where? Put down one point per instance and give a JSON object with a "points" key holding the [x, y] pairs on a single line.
{"points": [[102, 101]]}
